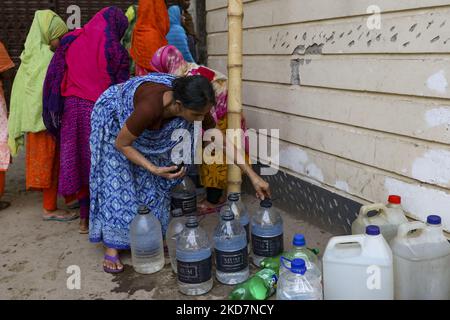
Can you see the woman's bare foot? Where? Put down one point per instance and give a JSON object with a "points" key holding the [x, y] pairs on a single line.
{"points": [[84, 226], [111, 263], [59, 215]]}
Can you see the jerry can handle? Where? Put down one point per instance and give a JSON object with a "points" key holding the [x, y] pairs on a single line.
{"points": [[380, 207], [359, 238], [406, 228]]}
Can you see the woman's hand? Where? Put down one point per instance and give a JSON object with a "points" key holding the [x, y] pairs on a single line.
{"points": [[262, 188], [168, 172]]}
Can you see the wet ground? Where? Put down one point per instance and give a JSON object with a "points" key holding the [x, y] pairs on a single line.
{"points": [[37, 258]]}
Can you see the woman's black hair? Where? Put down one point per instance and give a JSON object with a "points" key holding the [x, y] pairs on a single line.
{"points": [[194, 92]]}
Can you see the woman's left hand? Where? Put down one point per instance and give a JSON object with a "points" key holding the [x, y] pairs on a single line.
{"points": [[262, 188]]}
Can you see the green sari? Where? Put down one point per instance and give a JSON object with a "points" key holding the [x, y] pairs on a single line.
{"points": [[26, 97]]}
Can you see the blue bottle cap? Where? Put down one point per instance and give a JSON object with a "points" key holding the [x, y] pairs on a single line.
{"points": [[298, 266], [373, 230], [299, 240], [434, 220]]}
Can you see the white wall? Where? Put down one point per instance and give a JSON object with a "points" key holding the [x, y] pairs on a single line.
{"points": [[371, 115]]}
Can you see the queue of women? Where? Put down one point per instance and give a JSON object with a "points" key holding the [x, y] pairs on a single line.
{"points": [[95, 110]]}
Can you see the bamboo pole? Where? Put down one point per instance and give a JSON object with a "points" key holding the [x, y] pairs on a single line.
{"points": [[235, 17]]}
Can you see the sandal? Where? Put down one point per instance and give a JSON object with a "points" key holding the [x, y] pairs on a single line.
{"points": [[113, 260], [4, 205], [61, 218]]}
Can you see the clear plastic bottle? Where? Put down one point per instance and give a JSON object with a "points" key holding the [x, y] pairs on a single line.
{"points": [[147, 252], [297, 283], [299, 251], [267, 232], [176, 226], [184, 196], [240, 212], [230, 245], [194, 259]]}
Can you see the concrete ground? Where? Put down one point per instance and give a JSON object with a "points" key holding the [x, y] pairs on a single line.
{"points": [[35, 255]]}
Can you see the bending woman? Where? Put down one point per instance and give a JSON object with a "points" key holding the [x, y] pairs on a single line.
{"points": [[89, 61], [169, 59], [131, 144]]}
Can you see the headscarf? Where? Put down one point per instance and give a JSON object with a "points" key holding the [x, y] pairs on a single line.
{"points": [[150, 31], [26, 98], [88, 61], [177, 35], [169, 59], [131, 15]]}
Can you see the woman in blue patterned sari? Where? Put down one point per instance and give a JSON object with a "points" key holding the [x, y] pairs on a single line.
{"points": [[131, 145]]}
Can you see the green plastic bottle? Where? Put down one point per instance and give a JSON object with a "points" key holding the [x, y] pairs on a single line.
{"points": [[259, 287]]}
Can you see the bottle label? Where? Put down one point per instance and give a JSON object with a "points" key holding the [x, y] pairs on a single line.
{"points": [[267, 246], [234, 261], [194, 272]]}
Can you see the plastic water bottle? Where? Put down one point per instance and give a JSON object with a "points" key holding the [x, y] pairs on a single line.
{"points": [[194, 260], [267, 232], [184, 196], [299, 251], [240, 212], [147, 252], [297, 283], [230, 245], [176, 226]]}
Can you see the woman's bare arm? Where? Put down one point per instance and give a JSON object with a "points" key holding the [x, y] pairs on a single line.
{"points": [[124, 143]]}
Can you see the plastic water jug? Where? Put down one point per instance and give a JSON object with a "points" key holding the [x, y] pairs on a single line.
{"points": [[184, 196], [194, 259], [297, 283], [421, 261], [147, 252], [267, 232], [358, 267], [230, 246], [388, 218], [300, 251]]}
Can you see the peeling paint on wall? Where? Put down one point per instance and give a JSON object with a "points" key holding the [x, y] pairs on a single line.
{"points": [[433, 167], [438, 117], [298, 161], [420, 201], [437, 82], [342, 185]]}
